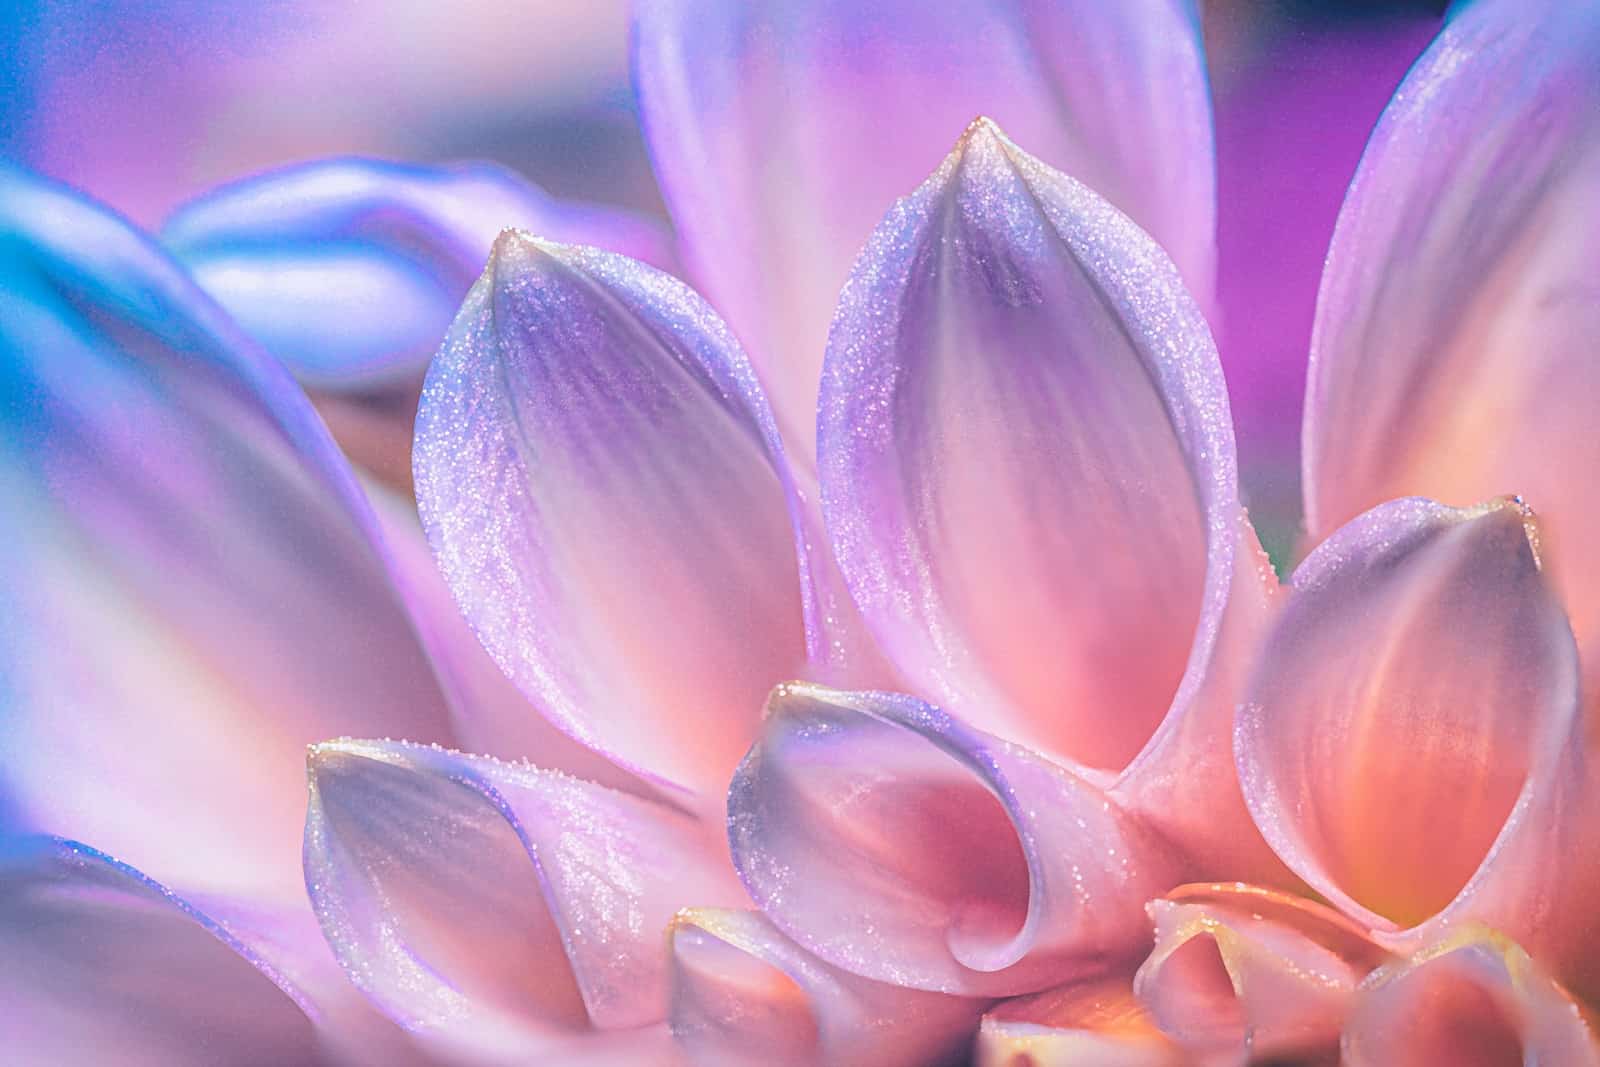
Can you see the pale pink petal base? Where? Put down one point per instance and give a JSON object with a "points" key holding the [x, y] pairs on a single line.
{"points": [[1097, 1021]]}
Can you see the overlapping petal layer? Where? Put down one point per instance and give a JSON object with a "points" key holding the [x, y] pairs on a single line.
{"points": [[104, 965], [1242, 974], [1474, 999], [1094, 1021], [1027, 464], [495, 905], [1452, 354], [603, 486], [350, 270], [192, 588], [1412, 744], [782, 131], [744, 993], [895, 842]]}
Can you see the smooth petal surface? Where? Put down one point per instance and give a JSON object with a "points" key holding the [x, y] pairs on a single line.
{"points": [[897, 843], [495, 905], [782, 131], [1027, 464], [350, 270], [604, 489], [192, 588], [1452, 355], [1412, 725], [1096, 1021], [1242, 974], [105, 965], [1474, 1000], [744, 993]]}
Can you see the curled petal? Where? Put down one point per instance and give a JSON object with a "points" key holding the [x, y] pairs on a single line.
{"points": [[895, 842], [1473, 999], [1241, 973], [742, 992], [192, 588], [350, 270], [1094, 1021], [781, 133], [1410, 732], [1021, 398], [1452, 355], [105, 965], [605, 492], [488, 902]]}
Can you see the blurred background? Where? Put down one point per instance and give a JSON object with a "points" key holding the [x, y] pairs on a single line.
{"points": [[145, 102]]}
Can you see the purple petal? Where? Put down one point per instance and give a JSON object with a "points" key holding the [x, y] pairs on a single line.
{"points": [[1411, 741], [743, 993], [604, 489], [192, 588], [1473, 998], [350, 270], [782, 132], [496, 905], [896, 843], [1453, 351], [1026, 459], [105, 965]]}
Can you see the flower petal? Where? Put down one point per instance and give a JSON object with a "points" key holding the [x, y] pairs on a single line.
{"points": [[1019, 395], [1419, 687], [894, 842], [742, 992], [1473, 999], [1095, 1021], [496, 904], [192, 588], [1452, 353], [350, 270], [604, 489], [782, 132], [1242, 973], [105, 965]]}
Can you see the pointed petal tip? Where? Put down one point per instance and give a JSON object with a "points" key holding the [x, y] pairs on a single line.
{"points": [[1512, 508]]}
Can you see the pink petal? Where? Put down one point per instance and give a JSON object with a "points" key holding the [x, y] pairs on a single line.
{"points": [[781, 133], [493, 904], [896, 843], [1452, 355], [350, 270], [1020, 396], [1242, 973], [104, 965], [1095, 1021], [743, 993], [192, 588], [1409, 738], [604, 489], [1473, 999]]}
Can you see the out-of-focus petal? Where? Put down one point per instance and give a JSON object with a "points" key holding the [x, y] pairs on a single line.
{"points": [[895, 842], [1244, 974], [1026, 459], [743, 993], [192, 588], [1096, 1021], [781, 133], [1453, 350], [1417, 694], [604, 489], [104, 965], [350, 270], [1473, 1000], [495, 905]]}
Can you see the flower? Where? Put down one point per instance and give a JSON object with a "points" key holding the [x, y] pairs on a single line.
{"points": [[970, 718]]}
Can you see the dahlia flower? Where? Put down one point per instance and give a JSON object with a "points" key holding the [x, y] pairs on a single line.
{"points": [[868, 661]]}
